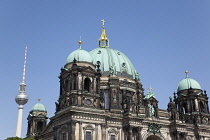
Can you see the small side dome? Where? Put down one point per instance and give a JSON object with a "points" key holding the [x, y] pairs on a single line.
{"points": [[188, 83], [79, 55], [39, 107]]}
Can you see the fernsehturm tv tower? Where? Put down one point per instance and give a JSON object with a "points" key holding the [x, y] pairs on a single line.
{"points": [[21, 98]]}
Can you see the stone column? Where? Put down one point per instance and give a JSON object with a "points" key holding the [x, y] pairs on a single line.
{"points": [[94, 85], [79, 81], [188, 106], [67, 133], [35, 129], [122, 134], [205, 107], [103, 132], [72, 130], [99, 133], [82, 83], [96, 131], [77, 131], [129, 134], [119, 133], [80, 130], [98, 85], [196, 105], [147, 109], [91, 86]]}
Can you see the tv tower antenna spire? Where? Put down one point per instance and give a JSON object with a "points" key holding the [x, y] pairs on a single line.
{"points": [[21, 98]]}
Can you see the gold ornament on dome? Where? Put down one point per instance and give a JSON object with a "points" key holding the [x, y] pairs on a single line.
{"points": [[186, 73], [80, 42]]}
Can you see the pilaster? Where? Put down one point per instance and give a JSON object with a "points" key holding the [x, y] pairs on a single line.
{"points": [[72, 130], [103, 126]]}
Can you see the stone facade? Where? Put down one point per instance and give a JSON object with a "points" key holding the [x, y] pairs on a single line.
{"points": [[96, 106], [82, 110]]}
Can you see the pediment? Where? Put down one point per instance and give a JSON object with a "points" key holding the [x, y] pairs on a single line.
{"points": [[89, 69], [41, 116]]}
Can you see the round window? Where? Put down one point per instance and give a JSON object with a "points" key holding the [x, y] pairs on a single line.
{"points": [[88, 102], [99, 52]]}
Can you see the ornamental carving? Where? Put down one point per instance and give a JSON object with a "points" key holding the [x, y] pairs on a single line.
{"points": [[154, 128]]}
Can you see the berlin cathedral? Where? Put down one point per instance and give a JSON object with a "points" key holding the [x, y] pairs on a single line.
{"points": [[101, 98]]}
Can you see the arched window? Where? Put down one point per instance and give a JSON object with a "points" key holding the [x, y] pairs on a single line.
{"points": [[106, 98], [87, 84], [202, 109], [88, 135], [63, 134], [39, 127], [67, 85], [70, 84], [75, 82], [112, 134], [185, 108], [193, 107], [112, 137], [153, 137]]}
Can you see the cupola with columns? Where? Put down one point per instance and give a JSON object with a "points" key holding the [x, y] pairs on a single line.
{"points": [[79, 81], [37, 120], [192, 101]]}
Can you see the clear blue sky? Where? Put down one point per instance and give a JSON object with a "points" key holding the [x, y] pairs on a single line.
{"points": [[162, 38]]}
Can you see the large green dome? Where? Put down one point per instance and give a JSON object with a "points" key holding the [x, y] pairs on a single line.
{"points": [[79, 55], [112, 62], [188, 83], [39, 107], [111, 59]]}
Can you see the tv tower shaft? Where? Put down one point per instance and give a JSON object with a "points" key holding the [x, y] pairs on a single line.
{"points": [[21, 98]]}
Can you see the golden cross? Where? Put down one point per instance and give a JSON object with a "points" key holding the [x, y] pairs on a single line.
{"points": [[39, 99], [150, 88], [103, 21]]}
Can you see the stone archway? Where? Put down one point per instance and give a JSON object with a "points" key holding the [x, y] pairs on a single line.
{"points": [[153, 137]]}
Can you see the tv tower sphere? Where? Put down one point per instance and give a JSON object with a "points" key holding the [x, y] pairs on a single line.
{"points": [[21, 98]]}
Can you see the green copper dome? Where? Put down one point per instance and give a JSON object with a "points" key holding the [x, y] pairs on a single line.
{"points": [[79, 55], [39, 107], [188, 83], [112, 60]]}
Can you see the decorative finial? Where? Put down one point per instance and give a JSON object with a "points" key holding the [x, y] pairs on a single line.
{"points": [[103, 21], [170, 99], [39, 99], [150, 93], [186, 73], [150, 88], [80, 42], [24, 66], [103, 40]]}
